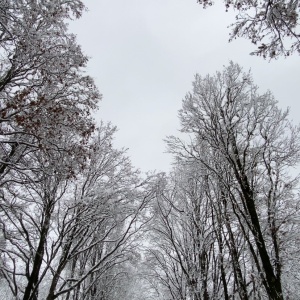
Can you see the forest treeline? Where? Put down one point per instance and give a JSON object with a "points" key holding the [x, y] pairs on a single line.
{"points": [[78, 221]]}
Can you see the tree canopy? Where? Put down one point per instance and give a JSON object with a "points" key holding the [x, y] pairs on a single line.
{"points": [[224, 216], [272, 25], [78, 221]]}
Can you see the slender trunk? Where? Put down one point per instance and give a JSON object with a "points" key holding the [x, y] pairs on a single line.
{"points": [[62, 264], [6, 160], [273, 287], [203, 266], [31, 290], [273, 283], [234, 253], [236, 265], [221, 259]]}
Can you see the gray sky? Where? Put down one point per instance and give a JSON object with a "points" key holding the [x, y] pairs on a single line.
{"points": [[144, 55]]}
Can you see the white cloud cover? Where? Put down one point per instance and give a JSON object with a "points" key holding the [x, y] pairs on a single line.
{"points": [[144, 55]]}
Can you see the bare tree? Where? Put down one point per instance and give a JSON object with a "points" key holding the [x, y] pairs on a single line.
{"points": [[183, 237], [29, 200], [69, 237], [272, 25], [249, 145]]}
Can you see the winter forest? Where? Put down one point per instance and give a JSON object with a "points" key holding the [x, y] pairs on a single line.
{"points": [[79, 222]]}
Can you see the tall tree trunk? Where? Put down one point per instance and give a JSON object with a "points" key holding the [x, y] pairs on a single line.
{"points": [[273, 283], [31, 290]]}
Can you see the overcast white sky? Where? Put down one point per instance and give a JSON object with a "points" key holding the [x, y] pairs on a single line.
{"points": [[144, 55]]}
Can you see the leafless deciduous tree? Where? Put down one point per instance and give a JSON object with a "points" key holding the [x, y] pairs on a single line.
{"points": [[69, 238], [246, 147], [272, 25]]}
